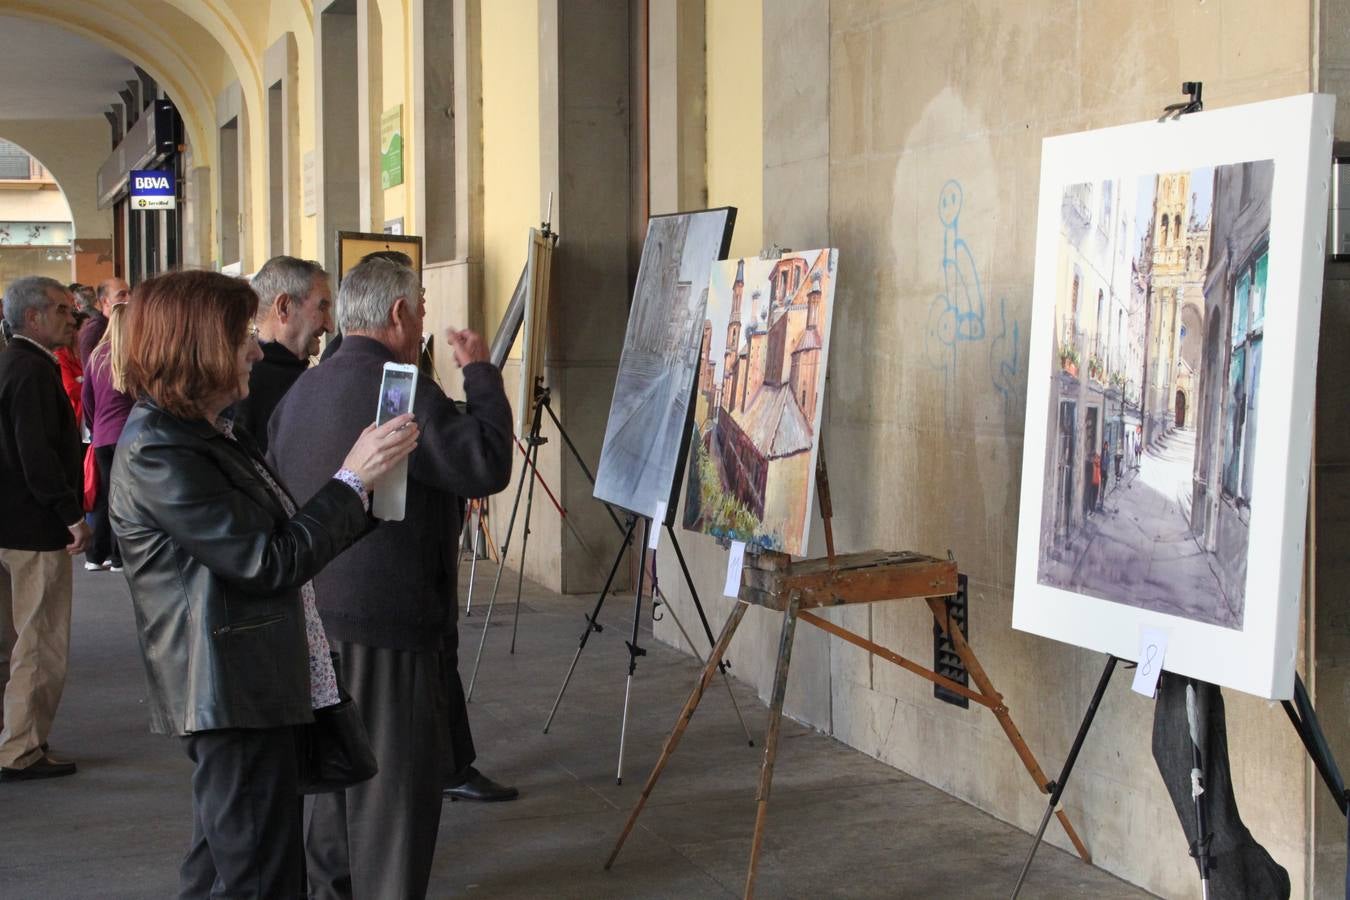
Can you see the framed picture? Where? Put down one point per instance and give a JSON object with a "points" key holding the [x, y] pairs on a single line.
{"points": [[648, 428], [534, 317], [354, 246], [1170, 392], [761, 392]]}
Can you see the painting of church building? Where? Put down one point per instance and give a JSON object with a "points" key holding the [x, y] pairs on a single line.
{"points": [[648, 421], [1160, 299], [758, 404]]}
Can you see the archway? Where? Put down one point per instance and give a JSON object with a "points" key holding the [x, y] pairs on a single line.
{"points": [[37, 226], [1181, 409]]}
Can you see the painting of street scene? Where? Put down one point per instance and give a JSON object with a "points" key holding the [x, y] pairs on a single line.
{"points": [[649, 416], [1154, 396], [758, 404]]}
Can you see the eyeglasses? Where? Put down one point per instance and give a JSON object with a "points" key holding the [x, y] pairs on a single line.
{"points": [[253, 330]]}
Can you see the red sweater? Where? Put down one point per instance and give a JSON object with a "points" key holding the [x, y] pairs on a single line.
{"points": [[72, 378]]}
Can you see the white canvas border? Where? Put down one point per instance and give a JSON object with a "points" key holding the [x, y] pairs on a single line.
{"points": [[1295, 132]]}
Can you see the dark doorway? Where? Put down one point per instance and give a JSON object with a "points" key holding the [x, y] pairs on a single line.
{"points": [[1181, 410], [1068, 413]]}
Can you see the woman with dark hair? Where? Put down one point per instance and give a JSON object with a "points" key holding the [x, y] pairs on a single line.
{"points": [[219, 561]]}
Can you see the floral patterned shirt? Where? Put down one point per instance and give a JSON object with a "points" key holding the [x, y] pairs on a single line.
{"points": [[323, 689]]}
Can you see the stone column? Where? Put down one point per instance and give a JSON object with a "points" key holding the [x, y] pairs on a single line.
{"points": [[584, 113]]}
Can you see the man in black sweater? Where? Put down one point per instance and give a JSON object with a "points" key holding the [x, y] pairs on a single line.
{"points": [[41, 523], [295, 309], [388, 604], [111, 292]]}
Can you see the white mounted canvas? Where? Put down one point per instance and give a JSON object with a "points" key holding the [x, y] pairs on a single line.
{"points": [[1170, 388]]}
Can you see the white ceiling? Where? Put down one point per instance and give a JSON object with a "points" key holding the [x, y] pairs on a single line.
{"points": [[47, 72]]}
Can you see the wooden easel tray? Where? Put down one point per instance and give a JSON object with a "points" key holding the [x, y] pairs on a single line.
{"points": [[866, 577]]}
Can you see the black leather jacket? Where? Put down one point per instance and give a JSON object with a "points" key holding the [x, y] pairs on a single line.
{"points": [[215, 568]]}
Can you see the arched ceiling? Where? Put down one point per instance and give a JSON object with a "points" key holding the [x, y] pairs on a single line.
{"points": [[53, 73]]}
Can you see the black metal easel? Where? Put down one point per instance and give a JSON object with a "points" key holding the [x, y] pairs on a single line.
{"points": [[1299, 710], [634, 648], [533, 441], [1301, 715]]}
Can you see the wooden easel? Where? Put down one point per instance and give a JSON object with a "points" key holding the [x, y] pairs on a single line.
{"points": [[773, 581]]}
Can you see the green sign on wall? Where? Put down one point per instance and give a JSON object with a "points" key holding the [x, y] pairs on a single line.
{"points": [[391, 147]]}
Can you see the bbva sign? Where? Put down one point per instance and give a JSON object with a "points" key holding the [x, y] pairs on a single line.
{"points": [[152, 189]]}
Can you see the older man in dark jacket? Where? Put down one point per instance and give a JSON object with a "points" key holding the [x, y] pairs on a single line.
{"points": [[389, 604], [294, 310], [41, 523]]}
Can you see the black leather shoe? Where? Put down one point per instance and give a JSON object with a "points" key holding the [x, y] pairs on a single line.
{"points": [[45, 767], [477, 786]]}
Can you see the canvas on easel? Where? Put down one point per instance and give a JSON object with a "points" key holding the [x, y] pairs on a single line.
{"points": [[538, 273], [649, 415], [1170, 388], [508, 329], [759, 399]]}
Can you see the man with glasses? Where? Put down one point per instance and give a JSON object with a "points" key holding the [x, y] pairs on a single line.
{"points": [[41, 524]]}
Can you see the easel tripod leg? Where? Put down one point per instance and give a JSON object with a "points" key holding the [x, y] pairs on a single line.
{"points": [[525, 535], [780, 678], [477, 546], [722, 670], [497, 580], [1057, 786], [634, 651], [1198, 720], [938, 606], [682, 723], [593, 620], [1304, 718], [707, 630]]}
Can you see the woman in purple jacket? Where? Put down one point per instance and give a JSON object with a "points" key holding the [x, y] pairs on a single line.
{"points": [[105, 411]]}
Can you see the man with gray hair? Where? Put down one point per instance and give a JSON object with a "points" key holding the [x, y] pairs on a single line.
{"points": [[295, 309], [41, 523], [388, 604]]}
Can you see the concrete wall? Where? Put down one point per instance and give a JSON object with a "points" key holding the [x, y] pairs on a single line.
{"points": [[869, 108], [735, 154]]}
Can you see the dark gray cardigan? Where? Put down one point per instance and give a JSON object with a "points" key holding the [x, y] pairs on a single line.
{"points": [[396, 588]]}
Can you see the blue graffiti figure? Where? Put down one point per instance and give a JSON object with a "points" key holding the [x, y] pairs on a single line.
{"points": [[957, 314]]}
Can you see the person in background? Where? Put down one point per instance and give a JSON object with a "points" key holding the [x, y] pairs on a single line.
{"points": [[106, 408], [111, 292], [1104, 464], [295, 310], [86, 300], [389, 604], [41, 524], [72, 372], [219, 560]]}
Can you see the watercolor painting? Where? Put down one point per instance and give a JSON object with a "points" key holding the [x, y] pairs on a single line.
{"points": [[1170, 388], [760, 394]]}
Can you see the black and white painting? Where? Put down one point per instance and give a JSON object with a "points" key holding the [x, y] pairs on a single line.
{"points": [[647, 431]]}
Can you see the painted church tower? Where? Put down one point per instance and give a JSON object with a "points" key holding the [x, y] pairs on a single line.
{"points": [[730, 370]]}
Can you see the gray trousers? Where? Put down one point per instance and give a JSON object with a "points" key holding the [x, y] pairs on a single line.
{"points": [[376, 840], [1241, 868]]}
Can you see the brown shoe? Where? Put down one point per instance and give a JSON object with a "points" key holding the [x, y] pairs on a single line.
{"points": [[45, 767]]}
